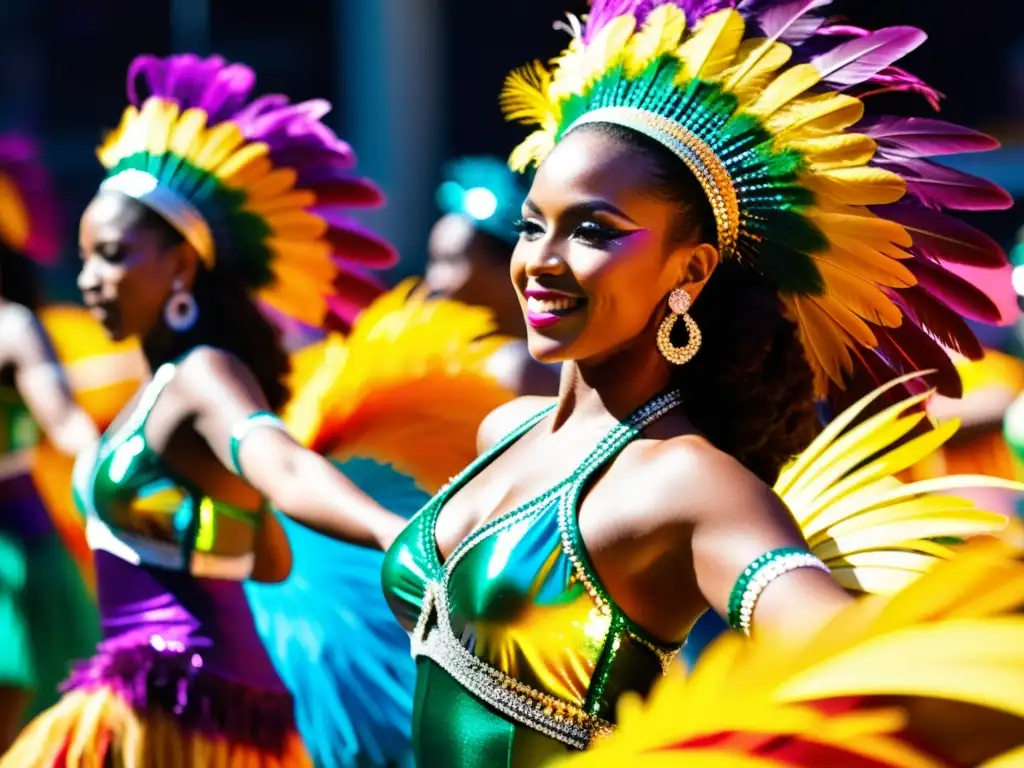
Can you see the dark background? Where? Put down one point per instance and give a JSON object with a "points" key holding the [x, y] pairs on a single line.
{"points": [[414, 81]]}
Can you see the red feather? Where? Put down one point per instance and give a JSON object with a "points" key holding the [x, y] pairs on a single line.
{"points": [[954, 291], [948, 327]]}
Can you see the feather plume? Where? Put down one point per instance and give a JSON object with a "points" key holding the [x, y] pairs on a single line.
{"points": [[661, 33], [924, 137], [954, 291], [943, 238], [386, 391], [860, 59], [712, 47]]}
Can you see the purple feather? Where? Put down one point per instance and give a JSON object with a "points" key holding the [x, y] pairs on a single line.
{"points": [[602, 12], [944, 238], [954, 291], [896, 80], [790, 22], [941, 322], [909, 348], [19, 162], [923, 136], [938, 186], [862, 58]]}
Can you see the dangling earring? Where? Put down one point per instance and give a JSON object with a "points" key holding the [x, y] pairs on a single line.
{"points": [[181, 310], [679, 303]]}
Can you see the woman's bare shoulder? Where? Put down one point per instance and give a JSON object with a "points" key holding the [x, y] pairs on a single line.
{"points": [[507, 417]]}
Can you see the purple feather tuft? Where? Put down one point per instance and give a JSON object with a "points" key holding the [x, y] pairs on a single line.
{"points": [[19, 162], [938, 186], [923, 137], [954, 291], [943, 238], [859, 60], [790, 22]]}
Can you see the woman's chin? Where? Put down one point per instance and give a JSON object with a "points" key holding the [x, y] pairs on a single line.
{"points": [[547, 350]]}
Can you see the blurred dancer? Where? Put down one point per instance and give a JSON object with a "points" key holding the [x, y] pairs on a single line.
{"points": [[227, 641], [47, 617], [469, 251]]}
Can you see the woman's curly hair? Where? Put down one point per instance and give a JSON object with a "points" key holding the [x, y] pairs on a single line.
{"points": [[228, 317], [750, 389]]}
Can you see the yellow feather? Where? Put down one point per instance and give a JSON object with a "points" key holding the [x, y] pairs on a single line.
{"points": [[386, 392], [297, 225], [812, 116], [607, 47], [306, 306], [159, 135], [300, 199], [247, 165], [866, 263], [837, 151], [757, 58], [791, 84], [219, 142], [859, 295], [858, 330], [858, 221], [532, 150], [524, 96], [111, 151], [827, 346], [799, 471], [661, 33], [275, 183], [187, 131], [311, 258], [864, 185], [712, 48]]}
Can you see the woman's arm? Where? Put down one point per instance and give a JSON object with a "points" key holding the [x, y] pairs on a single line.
{"points": [[41, 383], [741, 519], [300, 483]]}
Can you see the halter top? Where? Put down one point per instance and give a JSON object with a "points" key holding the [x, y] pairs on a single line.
{"points": [[521, 652], [139, 510]]}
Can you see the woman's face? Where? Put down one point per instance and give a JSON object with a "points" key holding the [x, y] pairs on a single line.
{"points": [[595, 260], [127, 272], [461, 264]]}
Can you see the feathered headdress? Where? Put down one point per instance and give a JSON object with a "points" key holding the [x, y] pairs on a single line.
{"points": [[763, 102], [28, 216], [256, 184], [484, 190]]}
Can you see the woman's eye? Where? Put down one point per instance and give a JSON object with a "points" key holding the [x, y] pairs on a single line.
{"points": [[111, 252], [594, 234], [528, 229]]}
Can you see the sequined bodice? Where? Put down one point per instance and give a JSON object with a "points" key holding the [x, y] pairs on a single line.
{"points": [[517, 615], [138, 510]]}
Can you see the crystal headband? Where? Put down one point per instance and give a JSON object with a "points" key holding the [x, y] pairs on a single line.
{"points": [[181, 214], [699, 158]]}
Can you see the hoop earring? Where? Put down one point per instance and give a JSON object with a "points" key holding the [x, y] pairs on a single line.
{"points": [[679, 303], [181, 310]]}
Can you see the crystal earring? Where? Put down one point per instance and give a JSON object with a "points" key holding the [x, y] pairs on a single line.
{"points": [[181, 310], [679, 303]]}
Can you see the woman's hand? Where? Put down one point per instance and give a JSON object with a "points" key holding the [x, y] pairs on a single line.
{"points": [[41, 383], [300, 483]]}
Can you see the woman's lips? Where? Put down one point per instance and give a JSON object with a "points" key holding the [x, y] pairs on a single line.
{"points": [[545, 308]]}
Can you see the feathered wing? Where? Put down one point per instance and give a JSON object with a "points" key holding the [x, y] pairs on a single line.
{"points": [[396, 405], [876, 532], [103, 376], [955, 634], [408, 386]]}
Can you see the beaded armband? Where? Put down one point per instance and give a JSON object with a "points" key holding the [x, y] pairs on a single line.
{"points": [[758, 575], [242, 430]]}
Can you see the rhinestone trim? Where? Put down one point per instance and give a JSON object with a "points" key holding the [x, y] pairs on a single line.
{"points": [[558, 719], [702, 161], [758, 575]]}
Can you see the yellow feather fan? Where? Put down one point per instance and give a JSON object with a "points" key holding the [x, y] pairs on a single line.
{"points": [[956, 634], [407, 387]]}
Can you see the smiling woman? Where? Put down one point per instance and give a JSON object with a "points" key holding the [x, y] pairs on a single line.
{"points": [[697, 250]]}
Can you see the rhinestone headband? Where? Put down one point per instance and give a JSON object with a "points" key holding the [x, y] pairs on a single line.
{"points": [[181, 214], [698, 157]]}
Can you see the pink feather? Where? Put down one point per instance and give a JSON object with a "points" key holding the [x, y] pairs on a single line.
{"points": [[923, 136], [954, 291], [859, 60]]}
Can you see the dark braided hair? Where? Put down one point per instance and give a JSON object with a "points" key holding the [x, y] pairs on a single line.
{"points": [[749, 390], [228, 317]]}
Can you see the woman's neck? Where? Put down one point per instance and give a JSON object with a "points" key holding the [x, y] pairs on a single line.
{"points": [[616, 385], [162, 345]]}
